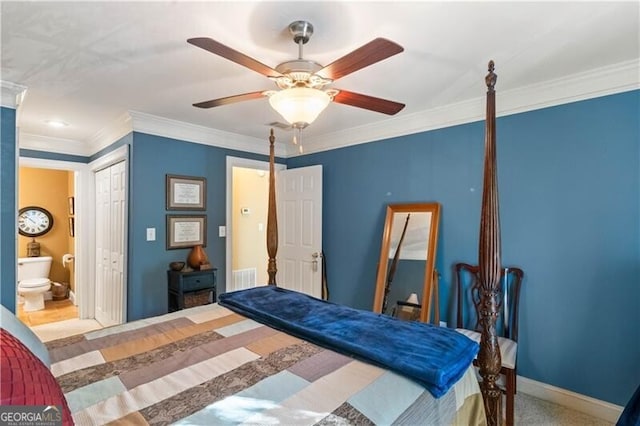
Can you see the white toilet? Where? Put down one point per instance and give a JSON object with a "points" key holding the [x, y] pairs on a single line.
{"points": [[33, 281]]}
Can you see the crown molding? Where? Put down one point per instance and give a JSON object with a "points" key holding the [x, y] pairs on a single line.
{"points": [[12, 94], [603, 81], [109, 134], [51, 144], [609, 80], [159, 126]]}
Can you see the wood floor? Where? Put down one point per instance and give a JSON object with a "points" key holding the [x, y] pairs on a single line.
{"points": [[54, 311]]}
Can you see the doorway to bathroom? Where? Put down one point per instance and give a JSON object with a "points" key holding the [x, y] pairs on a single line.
{"points": [[46, 248], [82, 297]]}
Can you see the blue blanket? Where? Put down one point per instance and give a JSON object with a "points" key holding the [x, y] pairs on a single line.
{"points": [[435, 357]]}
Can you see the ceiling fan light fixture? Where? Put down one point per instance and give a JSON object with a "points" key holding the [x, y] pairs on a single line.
{"points": [[300, 106]]}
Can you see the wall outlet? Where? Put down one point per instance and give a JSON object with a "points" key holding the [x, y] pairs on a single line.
{"points": [[151, 234]]}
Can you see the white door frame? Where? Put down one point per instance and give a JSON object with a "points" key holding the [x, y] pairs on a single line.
{"points": [[115, 156], [247, 164], [84, 219]]}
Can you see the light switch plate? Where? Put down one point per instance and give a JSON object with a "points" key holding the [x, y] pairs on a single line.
{"points": [[222, 231], [151, 234]]}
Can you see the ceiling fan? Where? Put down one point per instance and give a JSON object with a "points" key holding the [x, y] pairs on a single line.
{"points": [[303, 83]]}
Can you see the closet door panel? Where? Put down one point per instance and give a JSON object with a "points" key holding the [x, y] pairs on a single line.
{"points": [[103, 252], [110, 238]]}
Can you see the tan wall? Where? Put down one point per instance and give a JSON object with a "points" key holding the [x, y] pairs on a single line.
{"points": [[49, 189], [249, 231]]}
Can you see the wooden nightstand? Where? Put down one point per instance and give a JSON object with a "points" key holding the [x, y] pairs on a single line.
{"points": [[193, 287]]}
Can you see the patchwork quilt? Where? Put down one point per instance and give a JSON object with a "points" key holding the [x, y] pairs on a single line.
{"points": [[210, 366]]}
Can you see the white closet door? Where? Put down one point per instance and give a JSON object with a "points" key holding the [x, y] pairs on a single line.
{"points": [[117, 203], [103, 184], [110, 231]]}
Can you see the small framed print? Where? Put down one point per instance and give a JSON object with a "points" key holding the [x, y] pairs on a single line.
{"points": [[72, 206], [186, 231], [72, 227], [186, 192]]}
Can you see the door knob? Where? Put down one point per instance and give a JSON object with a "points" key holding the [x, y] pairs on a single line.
{"points": [[314, 263]]}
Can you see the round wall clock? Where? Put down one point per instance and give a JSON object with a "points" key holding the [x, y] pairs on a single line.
{"points": [[34, 221]]}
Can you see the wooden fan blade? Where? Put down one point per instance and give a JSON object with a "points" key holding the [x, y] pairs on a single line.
{"points": [[229, 100], [370, 53], [368, 102], [233, 55]]}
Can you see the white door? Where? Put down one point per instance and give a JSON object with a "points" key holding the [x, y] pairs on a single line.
{"points": [[299, 260], [110, 227], [103, 184], [115, 295]]}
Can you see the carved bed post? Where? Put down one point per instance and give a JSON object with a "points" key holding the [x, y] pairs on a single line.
{"points": [[489, 262], [272, 219]]}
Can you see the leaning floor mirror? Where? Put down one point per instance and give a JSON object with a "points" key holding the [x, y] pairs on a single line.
{"points": [[407, 259]]}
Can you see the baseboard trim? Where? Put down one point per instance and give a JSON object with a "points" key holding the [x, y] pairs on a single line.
{"points": [[72, 297], [585, 404]]}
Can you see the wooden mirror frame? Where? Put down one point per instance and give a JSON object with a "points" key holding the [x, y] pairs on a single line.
{"points": [[392, 209]]}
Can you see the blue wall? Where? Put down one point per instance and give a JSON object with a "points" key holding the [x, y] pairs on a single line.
{"points": [[8, 215], [569, 179], [125, 140], [32, 153], [152, 157]]}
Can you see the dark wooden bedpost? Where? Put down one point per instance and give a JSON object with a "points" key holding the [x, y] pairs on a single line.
{"points": [[489, 262], [272, 218]]}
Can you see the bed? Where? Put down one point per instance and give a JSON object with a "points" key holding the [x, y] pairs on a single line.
{"points": [[209, 365], [242, 361]]}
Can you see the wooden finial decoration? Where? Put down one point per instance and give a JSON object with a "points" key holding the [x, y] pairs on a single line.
{"points": [[272, 219], [491, 78]]}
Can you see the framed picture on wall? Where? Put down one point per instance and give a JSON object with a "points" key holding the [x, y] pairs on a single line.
{"points": [[186, 192], [72, 206], [186, 231], [72, 227]]}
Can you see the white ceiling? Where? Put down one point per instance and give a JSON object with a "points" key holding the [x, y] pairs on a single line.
{"points": [[88, 63]]}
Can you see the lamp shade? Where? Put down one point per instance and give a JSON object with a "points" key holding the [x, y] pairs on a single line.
{"points": [[413, 298], [299, 105]]}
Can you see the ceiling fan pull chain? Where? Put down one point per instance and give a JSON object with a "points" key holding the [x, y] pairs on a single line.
{"points": [[297, 138], [300, 140]]}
